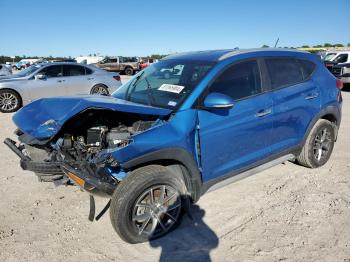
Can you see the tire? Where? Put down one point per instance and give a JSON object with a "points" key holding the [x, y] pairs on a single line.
{"points": [[10, 101], [319, 145], [134, 223], [129, 71], [100, 90]]}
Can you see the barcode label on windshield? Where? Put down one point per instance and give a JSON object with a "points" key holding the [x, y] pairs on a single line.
{"points": [[171, 88]]}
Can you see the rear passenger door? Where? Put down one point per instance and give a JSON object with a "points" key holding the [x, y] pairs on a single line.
{"points": [[76, 80], [296, 100]]}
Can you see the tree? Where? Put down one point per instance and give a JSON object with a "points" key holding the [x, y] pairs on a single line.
{"points": [[348, 44], [305, 46], [317, 46], [265, 46], [328, 45], [338, 45]]}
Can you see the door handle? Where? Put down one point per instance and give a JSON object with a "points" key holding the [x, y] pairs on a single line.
{"points": [[311, 96], [60, 81], [263, 112], [90, 78]]}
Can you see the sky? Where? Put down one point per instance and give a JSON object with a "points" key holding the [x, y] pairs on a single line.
{"points": [[145, 27]]}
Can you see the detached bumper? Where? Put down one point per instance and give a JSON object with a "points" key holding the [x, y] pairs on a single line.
{"points": [[52, 168]]}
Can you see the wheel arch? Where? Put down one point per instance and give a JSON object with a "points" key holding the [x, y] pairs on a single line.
{"points": [[179, 160], [330, 113]]}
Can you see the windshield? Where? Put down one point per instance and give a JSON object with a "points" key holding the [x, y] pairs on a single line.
{"points": [[164, 84], [329, 56], [28, 71]]}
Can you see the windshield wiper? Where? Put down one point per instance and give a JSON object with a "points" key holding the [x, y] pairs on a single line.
{"points": [[127, 96], [149, 93]]}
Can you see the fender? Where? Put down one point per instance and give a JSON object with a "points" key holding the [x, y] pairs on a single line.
{"points": [[177, 154], [329, 110]]}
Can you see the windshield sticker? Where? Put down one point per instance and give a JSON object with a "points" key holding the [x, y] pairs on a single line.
{"points": [[172, 103], [171, 88]]}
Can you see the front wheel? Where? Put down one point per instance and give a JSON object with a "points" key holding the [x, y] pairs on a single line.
{"points": [[319, 145], [146, 204], [10, 101]]}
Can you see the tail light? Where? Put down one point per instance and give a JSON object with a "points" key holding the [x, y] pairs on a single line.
{"points": [[116, 78], [339, 84]]}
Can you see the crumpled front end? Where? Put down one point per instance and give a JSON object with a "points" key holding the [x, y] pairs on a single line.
{"points": [[73, 144]]}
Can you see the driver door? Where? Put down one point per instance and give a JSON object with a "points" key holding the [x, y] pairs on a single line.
{"points": [[235, 138], [53, 83]]}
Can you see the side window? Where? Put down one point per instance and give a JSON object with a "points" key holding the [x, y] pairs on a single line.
{"points": [[239, 81], [52, 71], [88, 71], [0, 67], [342, 58], [307, 67], [73, 70], [284, 71]]}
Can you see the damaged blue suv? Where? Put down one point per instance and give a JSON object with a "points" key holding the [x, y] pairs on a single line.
{"points": [[186, 125]]}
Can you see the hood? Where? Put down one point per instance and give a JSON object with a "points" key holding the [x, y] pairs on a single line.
{"points": [[11, 78], [43, 119]]}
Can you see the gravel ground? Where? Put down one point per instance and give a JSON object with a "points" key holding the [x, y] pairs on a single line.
{"points": [[285, 213]]}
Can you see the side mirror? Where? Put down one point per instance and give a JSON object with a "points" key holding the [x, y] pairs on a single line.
{"points": [[218, 101], [40, 77]]}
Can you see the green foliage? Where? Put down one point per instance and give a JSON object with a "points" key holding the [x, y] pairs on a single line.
{"points": [[4, 59], [265, 46], [305, 46], [157, 56]]}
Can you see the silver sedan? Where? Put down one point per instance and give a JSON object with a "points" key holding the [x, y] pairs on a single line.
{"points": [[54, 79]]}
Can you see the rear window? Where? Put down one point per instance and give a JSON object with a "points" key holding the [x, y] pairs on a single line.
{"points": [[73, 70], [284, 72]]}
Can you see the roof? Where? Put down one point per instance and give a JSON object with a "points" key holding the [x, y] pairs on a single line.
{"points": [[219, 55]]}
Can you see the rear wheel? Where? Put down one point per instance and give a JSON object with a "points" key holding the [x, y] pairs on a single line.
{"points": [[319, 145], [129, 71], [99, 90], [147, 204], [10, 101]]}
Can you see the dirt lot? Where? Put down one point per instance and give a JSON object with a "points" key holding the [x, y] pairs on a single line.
{"points": [[285, 213]]}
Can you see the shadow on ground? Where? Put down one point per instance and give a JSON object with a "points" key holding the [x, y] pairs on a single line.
{"points": [[191, 241]]}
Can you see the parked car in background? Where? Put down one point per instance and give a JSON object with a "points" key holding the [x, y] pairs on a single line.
{"points": [[54, 79], [158, 143], [21, 65], [88, 59], [335, 58], [147, 63], [342, 71], [126, 65], [5, 70]]}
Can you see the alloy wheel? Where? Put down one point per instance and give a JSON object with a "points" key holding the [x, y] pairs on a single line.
{"points": [[156, 211], [322, 144], [8, 101], [100, 90]]}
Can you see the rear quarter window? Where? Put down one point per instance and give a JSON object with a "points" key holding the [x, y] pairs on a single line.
{"points": [[284, 72], [307, 67]]}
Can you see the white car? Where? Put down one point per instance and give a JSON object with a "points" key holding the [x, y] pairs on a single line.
{"points": [[4, 70], [54, 79], [338, 57]]}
